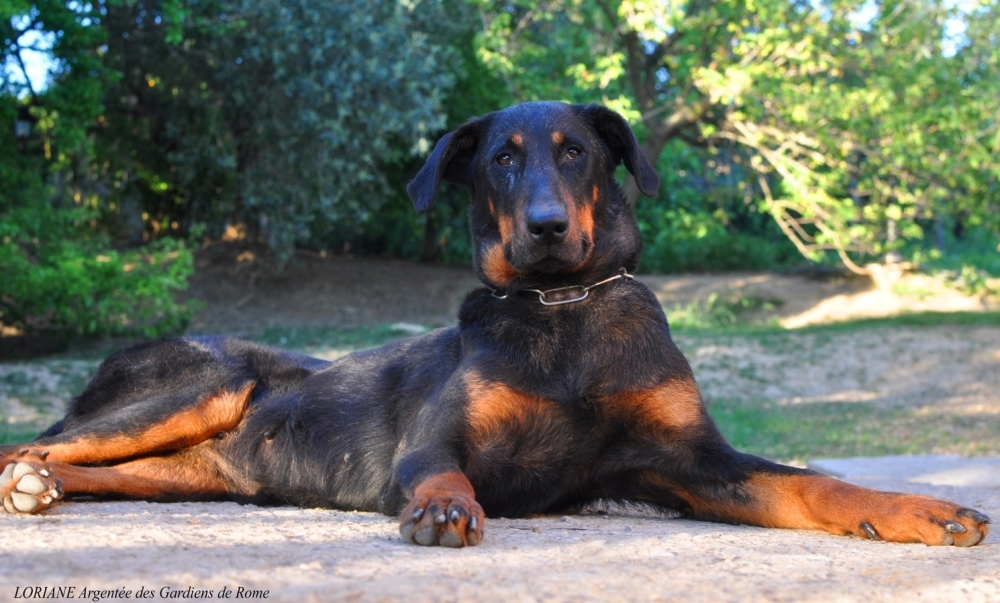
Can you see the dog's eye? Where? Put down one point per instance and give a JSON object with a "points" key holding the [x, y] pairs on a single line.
{"points": [[505, 159], [573, 152]]}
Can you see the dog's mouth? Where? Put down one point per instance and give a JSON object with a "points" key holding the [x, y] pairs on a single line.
{"points": [[505, 265], [568, 256]]}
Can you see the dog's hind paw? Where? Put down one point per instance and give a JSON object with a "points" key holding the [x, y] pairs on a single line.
{"points": [[914, 518], [28, 488]]}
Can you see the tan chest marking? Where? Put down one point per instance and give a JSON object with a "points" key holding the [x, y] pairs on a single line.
{"points": [[494, 409], [671, 406]]}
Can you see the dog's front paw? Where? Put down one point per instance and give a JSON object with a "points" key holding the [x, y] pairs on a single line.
{"points": [[911, 518], [28, 487], [443, 512]]}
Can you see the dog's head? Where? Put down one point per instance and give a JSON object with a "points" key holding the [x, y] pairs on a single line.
{"points": [[545, 204]]}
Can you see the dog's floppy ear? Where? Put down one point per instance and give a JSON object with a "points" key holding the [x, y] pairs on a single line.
{"points": [[449, 161], [616, 133]]}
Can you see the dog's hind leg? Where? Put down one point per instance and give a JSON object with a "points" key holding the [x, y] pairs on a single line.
{"points": [[784, 497], [32, 485], [154, 397], [122, 434], [727, 486], [691, 468]]}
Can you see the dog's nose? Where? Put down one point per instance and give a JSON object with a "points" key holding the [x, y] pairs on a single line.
{"points": [[548, 225]]}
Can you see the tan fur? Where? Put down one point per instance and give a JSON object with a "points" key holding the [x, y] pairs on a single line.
{"points": [[221, 412], [496, 268], [667, 408]]}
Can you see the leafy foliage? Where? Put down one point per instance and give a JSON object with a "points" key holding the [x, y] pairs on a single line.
{"points": [[62, 278], [851, 129], [843, 130], [61, 272], [170, 118], [276, 115]]}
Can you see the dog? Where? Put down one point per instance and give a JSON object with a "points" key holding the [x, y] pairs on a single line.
{"points": [[560, 385]]}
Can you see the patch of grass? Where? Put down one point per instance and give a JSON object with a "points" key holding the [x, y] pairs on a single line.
{"points": [[799, 432], [761, 425], [917, 292], [681, 240], [913, 319], [719, 312], [694, 319], [978, 249], [17, 433], [747, 316], [34, 394], [327, 342]]}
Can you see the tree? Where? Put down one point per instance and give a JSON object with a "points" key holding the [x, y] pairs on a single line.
{"points": [[166, 116], [276, 115], [852, 128], [60, 271]]}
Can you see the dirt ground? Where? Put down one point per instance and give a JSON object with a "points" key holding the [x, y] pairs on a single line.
{"points": [[242, 294], [287, 554], [319, 555]]}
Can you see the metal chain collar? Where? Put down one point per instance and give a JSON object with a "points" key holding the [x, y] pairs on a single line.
{"points": [[584, 291]]}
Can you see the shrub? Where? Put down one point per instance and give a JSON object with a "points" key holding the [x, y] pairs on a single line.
{"points": [[681, 241], [61, 277]]}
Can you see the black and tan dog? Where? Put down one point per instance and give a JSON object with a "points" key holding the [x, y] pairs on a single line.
{"points": [[560, 385]]}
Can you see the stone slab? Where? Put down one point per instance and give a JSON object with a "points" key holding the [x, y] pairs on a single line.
{"points": [[933, 469]]}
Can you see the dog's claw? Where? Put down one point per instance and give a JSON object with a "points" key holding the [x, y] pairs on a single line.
{"points": [[471, 533], [954, 527], [870, 530], [974, 515], [440, 512]]}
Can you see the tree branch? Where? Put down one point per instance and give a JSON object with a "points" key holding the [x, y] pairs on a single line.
{"points": [[24, 70]]}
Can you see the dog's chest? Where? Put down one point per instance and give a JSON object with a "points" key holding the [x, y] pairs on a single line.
{"points": [[512, 425], [523, 443]]}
